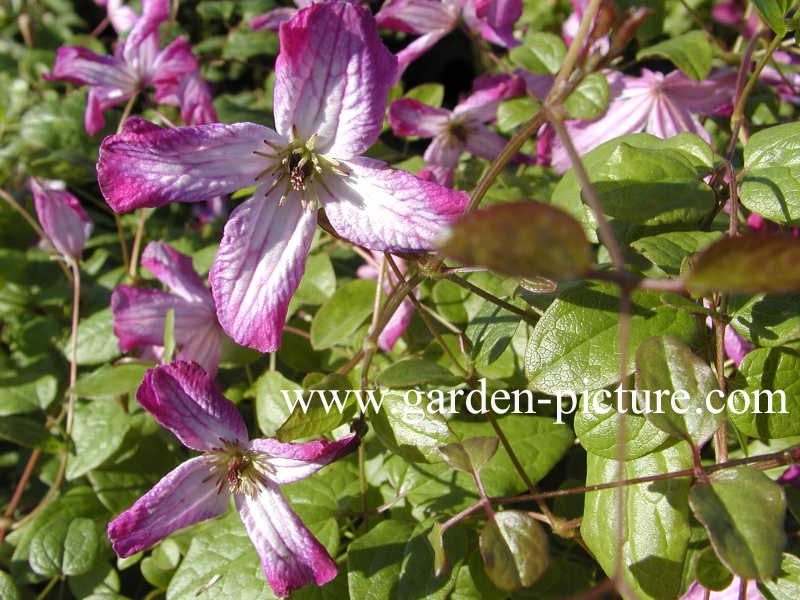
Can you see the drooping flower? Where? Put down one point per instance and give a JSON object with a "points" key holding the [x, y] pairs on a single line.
{"points": [[399, 321], [140, 313], [136, 63], [183, 399], [698, 592], [61, 216], [432, 20], [332, 80], [662, 105], [462, 128]]}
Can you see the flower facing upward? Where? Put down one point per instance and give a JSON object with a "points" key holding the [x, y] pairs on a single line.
{"points": [[183, 399], [140, 313], [137, 62], [61, 216], [332, 80]]}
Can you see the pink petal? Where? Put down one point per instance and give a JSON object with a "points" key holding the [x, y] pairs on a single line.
{"points": [[194, 98], [260, 262], [81, 66], [485, 143], [141, 45], [411, 117], [418, 16], [272, 20], [122, 17], [698, 592], [444, 150], [387, 209], [61, 216], [791, 476], [736, 347], [489, 92], [183, 399], [290, 555], [494, 20], [701, 97], [332, 58], [397, 325], [169, 67], [417, 48], [292, 462], [176, 271], [147, 165], [183, 497], [437, 174]]}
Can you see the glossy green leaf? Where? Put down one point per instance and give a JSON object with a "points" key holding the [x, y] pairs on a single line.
{"points": [[271, 408], [668, 250], [748, 264], [374, 559], [342, 314], [655, 527], [470, 455], [515, 112], [769, 319], [413, 372], [524, 239], [431, 94], [27, 432], [98, 431], [774, 12], [222, 563], [66, 547], [110, 381], [743, 511], [318, 282], [515, 550], [590, 98], [96, 340], [490, 332], [688, 411], [690, 52], [8, 590], [406, 424], [710, 572], [787, 585], [769, 405], [320, 409], [541, 53], [576, 342], [33, 390], [771, 182]]}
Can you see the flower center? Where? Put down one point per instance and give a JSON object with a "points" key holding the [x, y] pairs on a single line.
{"points": [[296, 167], [243, 471]]}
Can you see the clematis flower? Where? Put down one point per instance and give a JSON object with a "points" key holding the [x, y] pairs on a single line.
{"points": [[461, 129], [698, 592], [137, 62], [140, 313], [183, 399], [399, 321], [332, 80], [432, 20], [662, 105], [61, 216]]}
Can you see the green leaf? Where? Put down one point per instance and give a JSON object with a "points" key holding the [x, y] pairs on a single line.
{"points": [[98, 430], [110, 381], [66, 547], [541, 53], [414, 372], [668, 250], [597, 428], [768, 407], [515, 550], [342, 314], [411, 427], [470, 455], [328, 403], [690, 52], [448, 298], [652, 187], [590, 98], [431, 94], [374, 560], [743, 510], [31, 390], [515, 112], [523, 239], [318, 282], [491, 331], [96, 340], [773, 12], [787, 585], [441, 563], [710, 572], [771, 182], [665, 364], [242, 44], [27, 432], [769, 320], [575, 344], [8, 590], [222, 563], [169, 336], [538, 443], [271, 408], [748, 264], [655, 521]]}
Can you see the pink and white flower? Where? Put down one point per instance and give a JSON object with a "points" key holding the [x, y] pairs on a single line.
{"points": [[61, 216], [432, 20], [136, 63], [140, 313], [698, 592], [462, 128], [183, 399], [332, 80]]}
